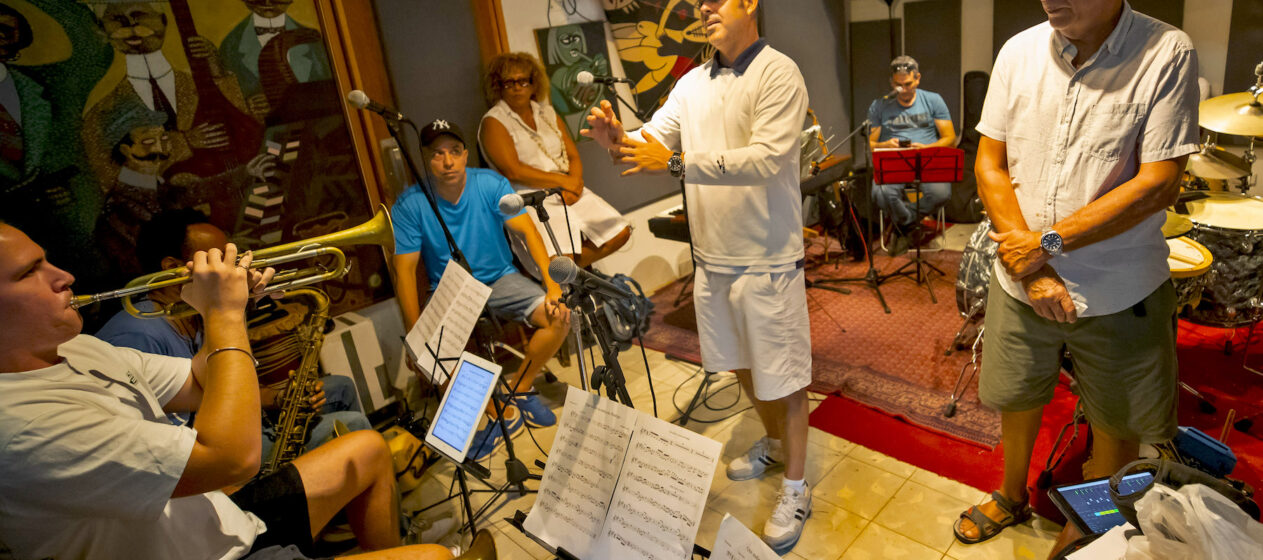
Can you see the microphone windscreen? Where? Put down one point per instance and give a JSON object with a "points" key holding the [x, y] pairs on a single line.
{"points": [[511, 204], [584, 78], [358, 99], [563, 270]]}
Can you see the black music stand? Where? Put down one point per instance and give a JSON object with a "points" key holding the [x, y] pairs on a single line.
{"points": [[912, 167], [870, 278]]}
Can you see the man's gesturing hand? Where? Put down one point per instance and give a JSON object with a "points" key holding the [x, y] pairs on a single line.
{"points": [[604, 126]]}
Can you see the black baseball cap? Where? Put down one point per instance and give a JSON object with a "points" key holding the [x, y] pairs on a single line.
{"points": [[437, 128]]}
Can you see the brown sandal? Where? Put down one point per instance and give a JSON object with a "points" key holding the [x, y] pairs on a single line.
{"points": [[1014, 513]]}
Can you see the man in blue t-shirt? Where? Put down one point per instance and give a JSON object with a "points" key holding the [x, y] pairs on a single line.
{"points": [[909, 118], [468, 200]]}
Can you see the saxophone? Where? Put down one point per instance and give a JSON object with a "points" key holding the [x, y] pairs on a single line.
{"points": [[296, 412]]}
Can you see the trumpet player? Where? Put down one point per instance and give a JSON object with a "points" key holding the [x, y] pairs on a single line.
{"points": [[170, 240], [91, 468]]}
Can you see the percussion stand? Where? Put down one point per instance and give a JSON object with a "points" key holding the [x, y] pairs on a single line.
{"points": [[870, 278]]}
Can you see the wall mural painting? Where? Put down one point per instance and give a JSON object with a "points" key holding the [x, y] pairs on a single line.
{"points": [[112, 111], [567, 50], [658, 41]]}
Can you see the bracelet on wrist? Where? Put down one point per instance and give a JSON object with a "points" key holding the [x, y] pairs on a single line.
{"points": [[228, 348]]}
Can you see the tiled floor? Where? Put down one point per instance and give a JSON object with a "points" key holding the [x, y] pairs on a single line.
{"points": [[866, 505]]}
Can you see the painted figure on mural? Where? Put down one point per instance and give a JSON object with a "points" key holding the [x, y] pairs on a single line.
{"points": [[51, 54], [657, 44], [568, 55], [268, 51]]}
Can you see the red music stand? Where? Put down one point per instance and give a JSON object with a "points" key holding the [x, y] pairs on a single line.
{"points": [[914, 166]]}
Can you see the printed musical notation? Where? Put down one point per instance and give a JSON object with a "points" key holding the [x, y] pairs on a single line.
{"points": [[622, 484], [443, 330], [737, 542]]}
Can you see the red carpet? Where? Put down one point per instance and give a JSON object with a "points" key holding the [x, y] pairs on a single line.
{"points": [[893, 362], [1203, 365]]}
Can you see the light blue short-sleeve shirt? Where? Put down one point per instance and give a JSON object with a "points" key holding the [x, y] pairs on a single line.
{"points": [[475, 222], [914, 123]]}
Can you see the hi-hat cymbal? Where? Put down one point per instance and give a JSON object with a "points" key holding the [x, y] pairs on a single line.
{"points": [[1235, 113], [1217, 163], [1176, 225]]}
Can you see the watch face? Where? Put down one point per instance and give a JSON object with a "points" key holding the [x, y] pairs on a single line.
{"points": [[1051, 242]]}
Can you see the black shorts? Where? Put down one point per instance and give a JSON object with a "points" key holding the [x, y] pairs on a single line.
{"points": [[281, 502]]}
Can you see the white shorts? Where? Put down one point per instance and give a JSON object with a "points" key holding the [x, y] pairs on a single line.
{"points": [[756, 321], [591, 217]]}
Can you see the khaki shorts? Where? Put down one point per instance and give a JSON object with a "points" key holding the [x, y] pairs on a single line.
{"points": [[1124, 363], [756, 321]]}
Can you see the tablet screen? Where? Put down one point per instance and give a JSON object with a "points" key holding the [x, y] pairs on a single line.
{"points": [[461, 410], [1090, 501]]}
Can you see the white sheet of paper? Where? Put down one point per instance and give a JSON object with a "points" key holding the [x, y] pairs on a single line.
{"points": [[661, 493], [735, 541], [583, 467], [451, 312], [1110, 546]]}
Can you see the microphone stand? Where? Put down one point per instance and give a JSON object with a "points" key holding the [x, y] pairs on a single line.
{"points": [[870, 278], [542, 214], [642, 117]]}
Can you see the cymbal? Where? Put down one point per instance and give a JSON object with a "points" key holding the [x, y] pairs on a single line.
{"points": [[1217, 163], [1176, 225], [1235, 113]]}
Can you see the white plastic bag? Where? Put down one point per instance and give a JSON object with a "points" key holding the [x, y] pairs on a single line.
{"points": [[1193, 522]]}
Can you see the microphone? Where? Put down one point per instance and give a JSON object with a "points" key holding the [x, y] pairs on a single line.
{"points": [[898, 90], [564, 271], [512, 203], [585, 78], [360, 100]]}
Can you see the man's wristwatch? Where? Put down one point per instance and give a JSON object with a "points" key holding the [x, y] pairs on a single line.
{"points": [[676, 165], [1051, 242]]}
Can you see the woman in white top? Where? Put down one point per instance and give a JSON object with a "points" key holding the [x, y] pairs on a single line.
{"points": [[525, 140]]}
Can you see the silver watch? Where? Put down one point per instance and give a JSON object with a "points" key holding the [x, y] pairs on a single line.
{"points": [[675, 165], [1051, 242]]}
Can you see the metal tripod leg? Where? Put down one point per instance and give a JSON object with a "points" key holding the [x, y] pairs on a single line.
{"points": [[708, 377]]}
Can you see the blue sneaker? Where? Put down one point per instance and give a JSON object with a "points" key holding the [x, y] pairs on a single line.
{"points": [[486, 441], [513, 420], [535, 411]]}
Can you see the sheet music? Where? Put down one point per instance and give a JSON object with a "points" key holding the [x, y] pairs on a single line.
{"points": [[450, 316], [735, 541], [661, 493], [583, 466]]}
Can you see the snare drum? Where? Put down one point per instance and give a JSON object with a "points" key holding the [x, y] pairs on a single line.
{"points": [[1230, 226], [974, 275], [1189, 262]]}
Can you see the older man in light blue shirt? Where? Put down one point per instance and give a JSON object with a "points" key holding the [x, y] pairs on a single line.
{"points": [[1087, 125]]}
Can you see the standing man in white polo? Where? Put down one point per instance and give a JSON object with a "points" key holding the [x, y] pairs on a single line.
{"points": [[730, 130]]}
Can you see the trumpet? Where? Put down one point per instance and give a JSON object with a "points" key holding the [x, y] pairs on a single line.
{"points": [[376, 231]]}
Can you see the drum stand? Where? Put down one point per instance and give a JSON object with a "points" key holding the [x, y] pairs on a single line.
{"points": [[971, 317]]}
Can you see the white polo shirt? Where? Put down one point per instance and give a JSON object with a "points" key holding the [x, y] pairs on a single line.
{"points": [[738, 129], [88, 462], [1073, 135]]}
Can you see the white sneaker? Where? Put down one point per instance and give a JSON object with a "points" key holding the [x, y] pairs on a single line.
{"points": [[758, 460], [782, 530]]}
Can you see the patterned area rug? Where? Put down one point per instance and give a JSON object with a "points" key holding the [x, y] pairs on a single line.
{"points": [[894, 362]]}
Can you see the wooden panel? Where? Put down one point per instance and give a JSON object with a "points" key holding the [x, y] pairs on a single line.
{"points": [[356, 57], [492, 38], [933, 39]]}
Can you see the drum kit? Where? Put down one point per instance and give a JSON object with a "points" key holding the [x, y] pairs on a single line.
{"points": [[1215, 236]]}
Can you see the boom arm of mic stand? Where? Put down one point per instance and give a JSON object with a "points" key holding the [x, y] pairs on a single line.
{"points": [[641, 117], [543, 219]]}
